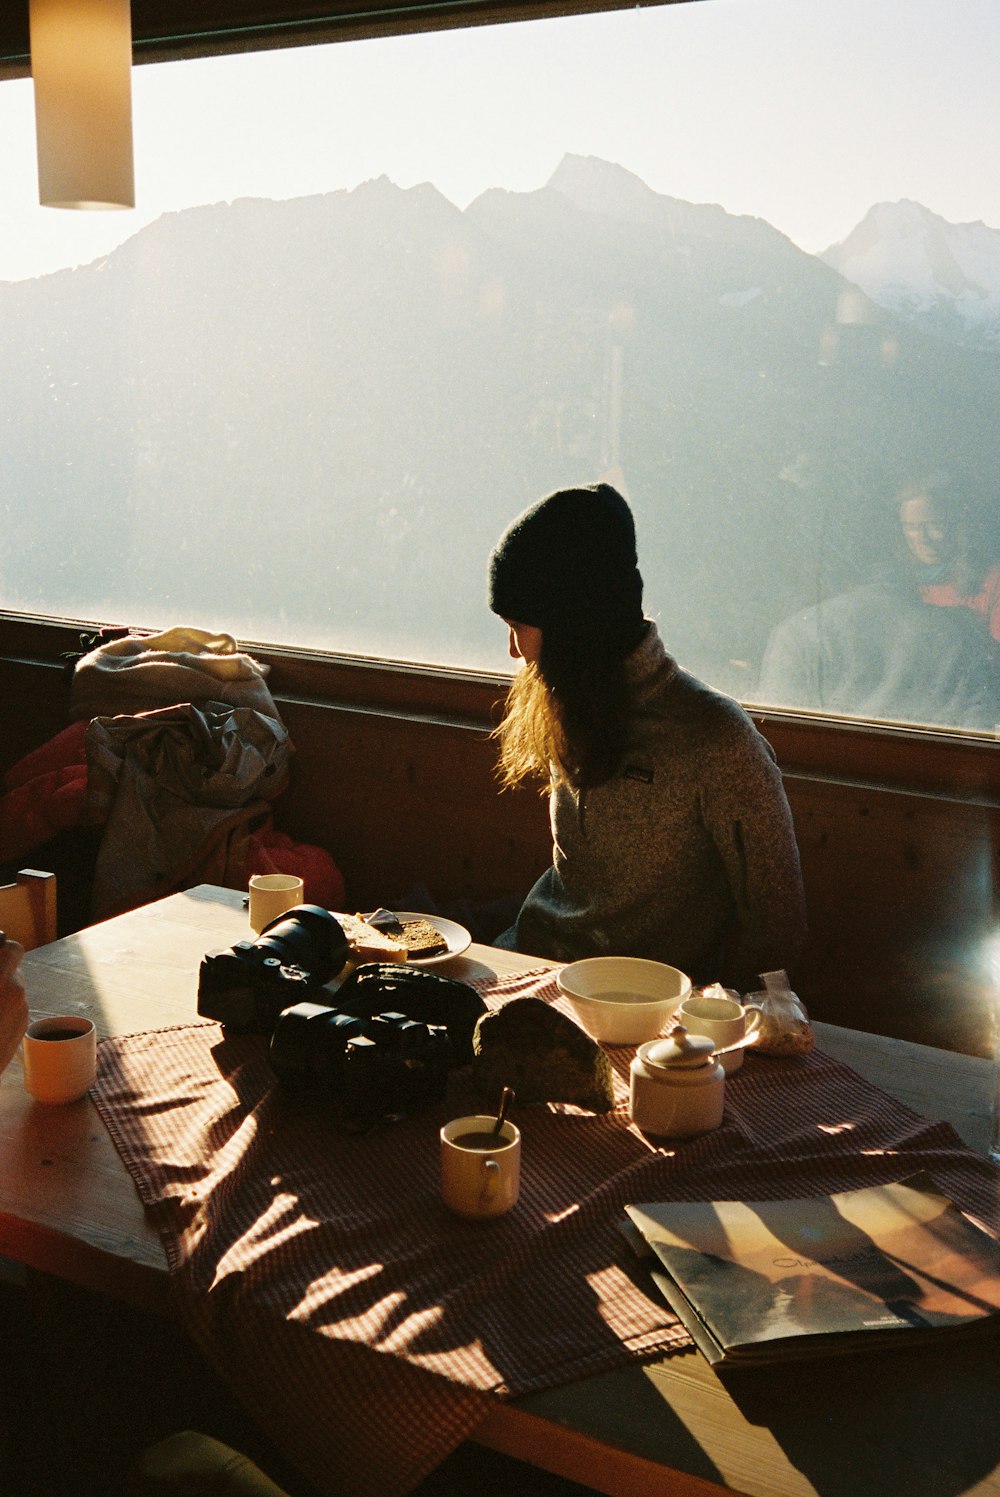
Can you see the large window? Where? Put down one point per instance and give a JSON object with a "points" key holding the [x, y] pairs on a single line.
{"points": [[741, 258]]}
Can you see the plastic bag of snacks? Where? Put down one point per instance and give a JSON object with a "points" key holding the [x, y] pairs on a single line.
{"points": [[785, 1027]]}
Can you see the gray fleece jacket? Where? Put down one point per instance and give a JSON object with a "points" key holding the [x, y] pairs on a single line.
{"points": [[687, 855]]}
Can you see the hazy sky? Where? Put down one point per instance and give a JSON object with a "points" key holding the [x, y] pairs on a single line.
{"points": [[803, 112]]}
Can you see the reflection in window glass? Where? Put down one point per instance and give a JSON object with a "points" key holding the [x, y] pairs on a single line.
{"points": [[378, 296]]}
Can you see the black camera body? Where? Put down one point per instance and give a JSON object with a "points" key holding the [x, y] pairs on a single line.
{"points": [[430, 997], [367, 1068], [383, 1047], [248, 985]]}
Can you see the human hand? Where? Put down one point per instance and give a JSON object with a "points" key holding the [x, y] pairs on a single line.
{"points": [[13, 1002]]}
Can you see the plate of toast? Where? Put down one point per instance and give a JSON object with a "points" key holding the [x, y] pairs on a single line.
{"points": [[405, 936]]}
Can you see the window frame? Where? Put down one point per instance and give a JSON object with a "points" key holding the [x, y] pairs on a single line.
{"points": [[811, 744], [938, 762], [165, 30]]}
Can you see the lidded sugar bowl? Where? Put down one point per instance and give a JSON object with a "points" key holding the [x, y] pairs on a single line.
{"points": [[677, 1086]]}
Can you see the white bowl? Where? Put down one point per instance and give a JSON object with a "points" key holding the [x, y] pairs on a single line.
{"points": [[622, 1000]]}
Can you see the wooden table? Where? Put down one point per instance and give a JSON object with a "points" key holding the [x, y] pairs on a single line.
{"points": [[916, 1425]]}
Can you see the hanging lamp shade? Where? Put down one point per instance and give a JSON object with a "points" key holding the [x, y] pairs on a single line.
{"points": [[81, 63]]}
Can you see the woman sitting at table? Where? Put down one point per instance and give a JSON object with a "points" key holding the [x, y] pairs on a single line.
{"points": [[13, 1002], [672, 836]]}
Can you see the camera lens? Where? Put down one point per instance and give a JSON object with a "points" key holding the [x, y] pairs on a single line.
{"points": [[308, 937]]}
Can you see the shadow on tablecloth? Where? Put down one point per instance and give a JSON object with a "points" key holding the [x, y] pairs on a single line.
{"points": [[368, 1330]]}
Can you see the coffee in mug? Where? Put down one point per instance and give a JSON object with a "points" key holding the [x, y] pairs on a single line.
{"points": [[482, 1140], [60, 1057], [480, 1171]]}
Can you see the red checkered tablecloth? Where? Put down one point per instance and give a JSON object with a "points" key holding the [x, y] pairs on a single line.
{"points": [[363, 1325]]}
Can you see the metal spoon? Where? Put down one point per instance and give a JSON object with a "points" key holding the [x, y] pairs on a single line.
{"points": [[743, 1043], [505, 1101]]}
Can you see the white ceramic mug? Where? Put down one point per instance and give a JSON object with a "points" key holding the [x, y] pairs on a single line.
{"points": [[60, 1057], [723, 1020], [271, 895], [480, 1177]]}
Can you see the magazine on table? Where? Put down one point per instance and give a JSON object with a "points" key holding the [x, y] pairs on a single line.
{"points": [[765, 1281]]}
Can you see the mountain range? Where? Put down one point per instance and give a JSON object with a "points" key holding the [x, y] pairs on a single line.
{"points": [[308, 421]]}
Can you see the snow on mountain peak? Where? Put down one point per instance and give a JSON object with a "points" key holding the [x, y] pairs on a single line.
{"points": [[939, 275]]}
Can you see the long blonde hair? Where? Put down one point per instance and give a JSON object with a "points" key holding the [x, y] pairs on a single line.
{"points": [[567, 717], [530, 734]]}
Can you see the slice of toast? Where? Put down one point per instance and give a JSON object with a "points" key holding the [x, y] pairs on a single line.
{"points": [[371, 945], [423, 939]]}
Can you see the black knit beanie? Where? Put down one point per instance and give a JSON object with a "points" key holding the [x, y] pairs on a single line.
{"points": [[568, 564]]}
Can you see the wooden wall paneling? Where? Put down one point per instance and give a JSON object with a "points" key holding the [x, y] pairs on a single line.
{"points": [[901, 883], [399, 802], [902, 893], [35, 707]]}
